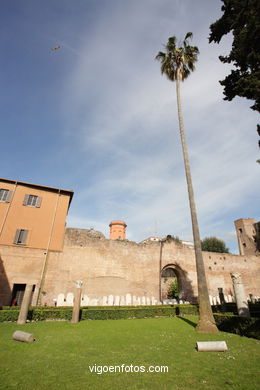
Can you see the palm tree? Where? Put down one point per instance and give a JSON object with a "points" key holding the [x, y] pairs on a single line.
{"points": [[177, 63]]}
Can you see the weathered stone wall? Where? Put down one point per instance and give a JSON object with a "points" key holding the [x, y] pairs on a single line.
{"points": [[19, 266], [116, 271], [121, 271]]}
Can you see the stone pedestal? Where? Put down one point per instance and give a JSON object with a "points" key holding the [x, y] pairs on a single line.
{"points": [[241, 301], [25, 304], [77, 301]]}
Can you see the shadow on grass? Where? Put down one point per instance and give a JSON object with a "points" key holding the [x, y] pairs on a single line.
{"points": [[188, 321]]}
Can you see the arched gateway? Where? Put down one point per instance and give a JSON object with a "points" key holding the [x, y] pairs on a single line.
{"points": [[172, 282]]}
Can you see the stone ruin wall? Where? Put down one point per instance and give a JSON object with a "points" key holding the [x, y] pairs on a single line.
{"points": [[119, 272], [122, 272]]}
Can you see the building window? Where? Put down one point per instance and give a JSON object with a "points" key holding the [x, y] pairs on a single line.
{"points": [[32, 200], [5, 195], [20, 237]]}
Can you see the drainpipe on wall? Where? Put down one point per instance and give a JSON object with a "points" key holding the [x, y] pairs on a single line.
{"points": [[8, 208], [44, 268]]}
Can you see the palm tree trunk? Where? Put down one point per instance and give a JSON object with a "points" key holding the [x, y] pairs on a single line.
{"points": [[206, 320]]}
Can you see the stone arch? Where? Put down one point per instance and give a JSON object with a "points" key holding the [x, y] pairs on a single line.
{"points": [[169, 273]]}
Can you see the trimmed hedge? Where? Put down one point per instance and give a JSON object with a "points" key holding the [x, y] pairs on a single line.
{"points": [[231, 307], [9, 315], [243, 326], [36, 315], [100, 313], [137, 312]]}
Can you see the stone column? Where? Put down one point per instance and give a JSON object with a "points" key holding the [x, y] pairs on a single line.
{"points": [[241, 301], [25, 304], [77, 301]]}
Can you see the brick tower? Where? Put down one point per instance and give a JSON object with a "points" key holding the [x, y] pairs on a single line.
{"points": [[117, 230], [246, 236]]}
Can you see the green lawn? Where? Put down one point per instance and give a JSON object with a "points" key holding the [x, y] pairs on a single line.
{"points": [[63, 352]]}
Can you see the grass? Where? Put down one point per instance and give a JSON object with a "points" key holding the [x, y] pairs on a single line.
{"points": [[63, 352]]}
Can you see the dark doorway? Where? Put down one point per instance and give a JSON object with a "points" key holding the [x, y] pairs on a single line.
{"points": [[17, 294]]}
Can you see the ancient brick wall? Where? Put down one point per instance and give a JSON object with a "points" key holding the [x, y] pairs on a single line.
{"points": [[121, 271]]}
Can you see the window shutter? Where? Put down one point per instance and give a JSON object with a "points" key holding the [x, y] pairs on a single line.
{"points": [[24, 237], [38, 201], [16, 236], [9, 196], [25, 201]]}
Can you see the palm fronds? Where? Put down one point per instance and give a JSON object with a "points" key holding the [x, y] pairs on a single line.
{"points": [[178, 61]]}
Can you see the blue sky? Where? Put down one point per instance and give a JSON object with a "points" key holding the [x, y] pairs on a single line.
{"points": [[97, 116]]}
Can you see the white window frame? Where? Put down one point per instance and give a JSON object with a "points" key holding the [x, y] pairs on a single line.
{"points": [[32, 200], [21, 236], [5, 195]]}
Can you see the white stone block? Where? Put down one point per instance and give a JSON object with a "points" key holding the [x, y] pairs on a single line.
{"points": [[70, 299], [128, 299], [117, 300], [60, 300], [104, 301], [110, 300], [216, 346], [85, 300]]}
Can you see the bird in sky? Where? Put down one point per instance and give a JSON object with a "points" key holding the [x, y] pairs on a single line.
{"points": [[55, 48]]}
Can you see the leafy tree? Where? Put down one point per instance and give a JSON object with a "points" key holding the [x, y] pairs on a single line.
{"points": [[177, 63], [173, 290], [241, 17], [214, 244]]}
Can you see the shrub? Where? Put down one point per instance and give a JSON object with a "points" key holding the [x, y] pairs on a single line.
{"points": [[243, 326], [51, 314], [100, 313], [9, 315], [173, 290]]}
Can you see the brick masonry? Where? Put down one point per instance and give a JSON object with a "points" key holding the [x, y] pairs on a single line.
{"points": [[119, 271]]}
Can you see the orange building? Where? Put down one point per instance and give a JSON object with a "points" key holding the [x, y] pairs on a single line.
{"points": [[32, 216], [32, 225]]}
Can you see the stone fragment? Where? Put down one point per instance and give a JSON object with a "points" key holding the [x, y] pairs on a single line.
{"points": [[25, 337], [215, 346]]}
